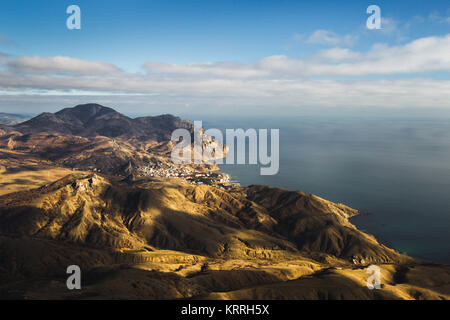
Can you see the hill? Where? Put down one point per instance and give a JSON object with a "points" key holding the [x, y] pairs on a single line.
{"points": [[166, 239], [90, 120]]}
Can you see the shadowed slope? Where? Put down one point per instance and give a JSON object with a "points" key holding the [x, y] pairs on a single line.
{"points": [[92, 210]]}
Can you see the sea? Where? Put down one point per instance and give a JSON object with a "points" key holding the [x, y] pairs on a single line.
{"points": [[394, 167]]}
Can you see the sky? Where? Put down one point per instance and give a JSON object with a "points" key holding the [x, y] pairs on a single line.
{"points": [[216, 56]]}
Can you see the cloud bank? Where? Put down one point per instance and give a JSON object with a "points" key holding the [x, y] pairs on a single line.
{"points": [[388, 76]]}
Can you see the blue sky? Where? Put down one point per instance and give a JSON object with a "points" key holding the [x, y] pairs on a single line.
{"points": [[129, 33], [187, 42]]}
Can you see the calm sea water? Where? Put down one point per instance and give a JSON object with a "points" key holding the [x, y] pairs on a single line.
{"points": [[396, 170]]}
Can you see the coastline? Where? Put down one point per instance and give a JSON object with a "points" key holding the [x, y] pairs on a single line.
{"points": [[365, 221]]}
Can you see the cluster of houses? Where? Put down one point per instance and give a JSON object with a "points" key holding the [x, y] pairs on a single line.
{"points": [[168, 170]]}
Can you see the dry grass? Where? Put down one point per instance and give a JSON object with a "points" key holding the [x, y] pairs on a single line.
{"points": [[13, 181], [168, 240]]}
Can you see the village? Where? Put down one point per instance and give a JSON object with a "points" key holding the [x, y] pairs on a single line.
{"points": [[187, 173]]}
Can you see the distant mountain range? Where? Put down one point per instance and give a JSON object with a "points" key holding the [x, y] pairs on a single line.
{"points": [[12, 119]]}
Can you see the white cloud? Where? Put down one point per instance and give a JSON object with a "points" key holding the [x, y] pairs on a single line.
{"points": [[429, 54], [439, 18], [61, 65], [277, 80], [418, 92], [330, 38], [218, 69], [339, 54], [389, 25]]}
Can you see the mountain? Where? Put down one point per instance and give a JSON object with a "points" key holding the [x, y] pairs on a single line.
{"points": [[167, 239], [95, 211], [12, 119], [90, 120], [94, 137]]}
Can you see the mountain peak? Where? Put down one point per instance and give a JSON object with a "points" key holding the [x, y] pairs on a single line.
{"points": [[85, 112], [93, 119]]}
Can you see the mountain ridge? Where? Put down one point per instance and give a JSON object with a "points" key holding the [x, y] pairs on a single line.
{"points": [[89, 120], [94, 137], [169, 240]]}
